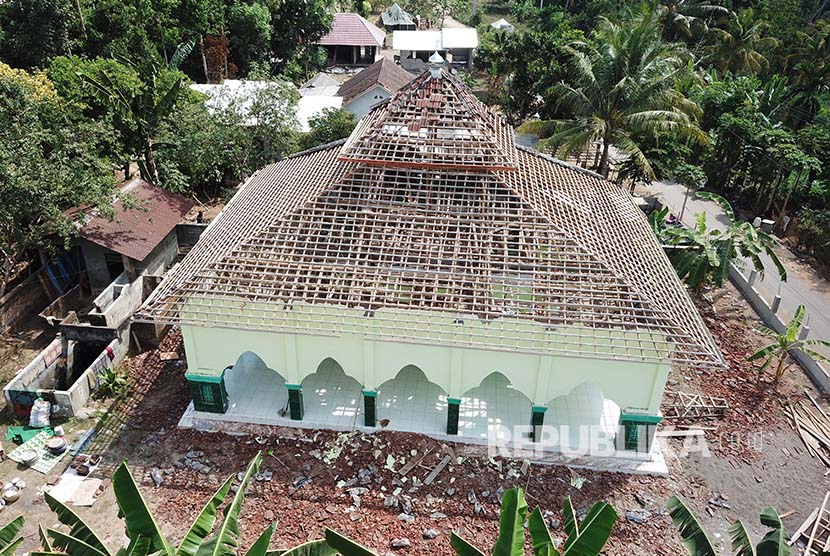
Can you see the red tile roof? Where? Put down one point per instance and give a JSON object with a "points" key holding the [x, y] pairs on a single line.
{"points": [[384, 72], [351, 29], [136, 231]]}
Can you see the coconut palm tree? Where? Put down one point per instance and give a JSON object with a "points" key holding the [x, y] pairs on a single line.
{"points": [[685, 19], [738, 48], [619, 91], [785, 344]]}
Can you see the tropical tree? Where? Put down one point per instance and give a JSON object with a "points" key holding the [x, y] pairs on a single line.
{"points": [[703, 255], [697, 542], [619, 91], [139, 113], [585, 538], [785, 344], [329, 125], [739, 46], [685, 19]]}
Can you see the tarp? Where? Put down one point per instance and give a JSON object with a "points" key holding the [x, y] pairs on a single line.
{"points": [[503, 25], [395, 15]]}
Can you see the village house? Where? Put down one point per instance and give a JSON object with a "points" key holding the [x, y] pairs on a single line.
{"points": [[352, 41], [456, 45], [374, 84], [430, 275]]}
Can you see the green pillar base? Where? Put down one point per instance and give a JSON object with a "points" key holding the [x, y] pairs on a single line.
{"points": [[537, 419], [295, 401], [638, 431], [208, 392], [370, 416], [453, 408]]}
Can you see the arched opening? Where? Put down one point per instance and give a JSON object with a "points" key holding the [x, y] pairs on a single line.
{"points": [[412, 403], [493, 409], [255, 392], [331, 397], [581, 415]]}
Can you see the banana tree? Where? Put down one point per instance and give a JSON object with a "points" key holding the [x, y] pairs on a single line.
{"points": [[145, 536], [697, 542], [9, 540], [785, 344], [702, 254], [586, 538]]}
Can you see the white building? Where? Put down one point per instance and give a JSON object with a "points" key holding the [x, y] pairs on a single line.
{"points": [[455, 45]]}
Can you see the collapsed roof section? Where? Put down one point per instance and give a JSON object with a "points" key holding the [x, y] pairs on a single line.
{"points": [[405, 234]]}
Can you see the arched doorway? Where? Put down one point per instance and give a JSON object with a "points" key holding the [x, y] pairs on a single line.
{"points": [[584, 415], [412, 403], [494, 407], [255, 392], [331, 397]]}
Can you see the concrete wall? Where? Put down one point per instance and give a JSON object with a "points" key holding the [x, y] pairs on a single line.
{"points": [[767, 310], [22, 301], [360, 106], [28, 384], [631, 385], [162, 256], [117, 302]]}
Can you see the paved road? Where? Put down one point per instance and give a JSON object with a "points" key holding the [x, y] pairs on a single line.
{"points": [[802, 285]]}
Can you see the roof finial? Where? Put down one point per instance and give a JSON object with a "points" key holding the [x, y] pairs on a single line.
{"points": [[436, 65]]}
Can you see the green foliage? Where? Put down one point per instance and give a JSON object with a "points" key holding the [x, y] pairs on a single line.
{"points": [[33, 31], [740, 46], [785, 344], [249, 27], [619, 91], [697, 542], [49, 160], [703, 255], [584, 539], [329, 125], [113, 382]]}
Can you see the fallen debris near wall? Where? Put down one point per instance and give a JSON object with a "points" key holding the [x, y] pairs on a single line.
{"points": [[814, 430], [695, 406]]}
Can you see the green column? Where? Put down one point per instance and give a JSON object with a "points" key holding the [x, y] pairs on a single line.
{"points": [[295, 401], [208, 392], [370, 416], [637, 431], [453, 407], [537, 419]]}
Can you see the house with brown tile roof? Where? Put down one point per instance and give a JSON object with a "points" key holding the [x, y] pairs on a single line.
{"points": [[352, 41], [374, 84]]}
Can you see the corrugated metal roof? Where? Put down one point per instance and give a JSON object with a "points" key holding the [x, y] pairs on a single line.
{"points": [[421, 41], [384, 72], [136, 231], [349, 29]]}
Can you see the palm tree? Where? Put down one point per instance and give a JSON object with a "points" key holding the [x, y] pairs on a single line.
{"points": [[697, 542], [685, 19], [619, 91], [738, 47], [785, 345]]}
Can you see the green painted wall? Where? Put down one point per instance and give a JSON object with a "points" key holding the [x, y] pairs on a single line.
{"points": [[455, 368]]}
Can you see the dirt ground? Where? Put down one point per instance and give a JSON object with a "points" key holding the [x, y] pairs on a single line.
{"points": [[310, 486]]}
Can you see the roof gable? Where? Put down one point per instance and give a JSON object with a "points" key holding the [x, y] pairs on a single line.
{"points": [[350, 29], [384, 72]]}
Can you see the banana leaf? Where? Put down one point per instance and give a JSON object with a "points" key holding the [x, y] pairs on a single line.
{"points": [[225, 540], [345, 546], [695, 540], [462, 547], [741, 543], [10, 530], [774, 542], [204, 522], [73, 545], [8, 549], [312, 548], [511, 538], [260, 546], [78, 527], [540, 535], [44, 539], [137, 516], [593, 532]]}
